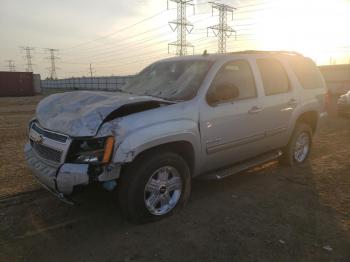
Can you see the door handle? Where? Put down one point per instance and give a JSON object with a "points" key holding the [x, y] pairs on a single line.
{"points": [[292, 102], [255, 110]]}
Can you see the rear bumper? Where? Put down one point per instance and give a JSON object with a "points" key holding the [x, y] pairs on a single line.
{"points": [[59, 180]]}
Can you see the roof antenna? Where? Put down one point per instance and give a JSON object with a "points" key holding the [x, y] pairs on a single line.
{"points": [[205, 52]]}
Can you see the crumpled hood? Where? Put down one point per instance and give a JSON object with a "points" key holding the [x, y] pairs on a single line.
{"points": [[81, 113]]}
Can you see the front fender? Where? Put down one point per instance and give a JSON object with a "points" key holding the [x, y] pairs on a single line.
{"points": [[151, 136]]}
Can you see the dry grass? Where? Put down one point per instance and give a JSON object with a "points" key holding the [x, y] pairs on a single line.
{"points": [[14, 116]]}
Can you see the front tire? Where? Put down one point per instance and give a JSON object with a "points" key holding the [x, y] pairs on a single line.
{"points": [[299, 146], [154, 186]]}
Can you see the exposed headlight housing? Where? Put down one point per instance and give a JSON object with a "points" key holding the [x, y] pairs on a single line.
{"points": [[94, 151]]}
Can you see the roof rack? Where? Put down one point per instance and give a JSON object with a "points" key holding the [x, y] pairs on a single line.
{"points": [[266, 52]]}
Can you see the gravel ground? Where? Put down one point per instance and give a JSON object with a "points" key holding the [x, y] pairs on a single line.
{"points": [[271, 213]]}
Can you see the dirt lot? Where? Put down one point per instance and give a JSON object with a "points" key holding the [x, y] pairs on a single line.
{"points": [[272, 213]]}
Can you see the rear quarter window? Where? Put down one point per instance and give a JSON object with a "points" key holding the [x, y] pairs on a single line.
{"points": [[307, 73]]}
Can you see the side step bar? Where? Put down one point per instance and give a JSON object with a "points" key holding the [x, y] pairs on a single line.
{"points": [[243, 166]]}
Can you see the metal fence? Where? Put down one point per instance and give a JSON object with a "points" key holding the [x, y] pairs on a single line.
{"points": [[87, 83]]}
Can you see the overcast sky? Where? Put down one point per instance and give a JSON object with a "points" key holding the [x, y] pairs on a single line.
{"points": [[87, 31]]}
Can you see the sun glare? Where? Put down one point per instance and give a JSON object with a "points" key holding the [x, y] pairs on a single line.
{"points": [[315, 28]]}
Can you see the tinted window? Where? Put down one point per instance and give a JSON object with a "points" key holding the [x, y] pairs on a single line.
{"points": [[274, 77], [236, 75], [307, 73]]}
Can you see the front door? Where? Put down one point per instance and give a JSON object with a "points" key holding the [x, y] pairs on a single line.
{"points": [[230, 120]]}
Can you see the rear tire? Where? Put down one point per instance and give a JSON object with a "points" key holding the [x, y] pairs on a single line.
{"points": [[299, 146], [154, 186]]}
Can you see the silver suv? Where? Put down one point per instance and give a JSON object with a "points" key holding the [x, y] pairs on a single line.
{"points": [[210, 116]]}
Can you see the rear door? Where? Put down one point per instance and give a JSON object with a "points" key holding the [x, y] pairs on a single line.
{"points": [[279, 101]]}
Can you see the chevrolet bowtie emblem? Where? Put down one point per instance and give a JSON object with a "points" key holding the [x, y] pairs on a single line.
{"points": [[35, 137]]}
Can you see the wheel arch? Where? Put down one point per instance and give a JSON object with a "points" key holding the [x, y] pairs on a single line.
{"points": [[183, 148], [310, 118]]}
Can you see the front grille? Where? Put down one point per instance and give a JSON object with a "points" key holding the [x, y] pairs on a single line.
{"points": [[47, 152], [51, 135]]}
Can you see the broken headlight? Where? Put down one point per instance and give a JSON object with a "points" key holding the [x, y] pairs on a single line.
{"points": [[95, 151]]}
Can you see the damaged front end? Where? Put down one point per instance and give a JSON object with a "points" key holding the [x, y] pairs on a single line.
{"points": [[74, 136], [60, 163]]}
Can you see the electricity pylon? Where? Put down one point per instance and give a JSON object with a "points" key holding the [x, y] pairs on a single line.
{"points": [[182, 26], [52, 57], [12, 66], [29, 57], [222, 30]]}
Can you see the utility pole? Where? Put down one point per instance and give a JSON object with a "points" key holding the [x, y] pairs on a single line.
{"points": [[52, 58], [91, 70], [182, 26], [12, 66], [29, 57], [222, 30]]}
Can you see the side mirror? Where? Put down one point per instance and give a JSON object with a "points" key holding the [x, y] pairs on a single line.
{"points": [[223, 93]]}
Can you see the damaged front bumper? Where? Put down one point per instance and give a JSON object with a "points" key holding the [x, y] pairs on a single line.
{"points": [[58, 179]]}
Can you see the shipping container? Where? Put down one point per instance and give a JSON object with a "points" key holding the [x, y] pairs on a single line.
{"points": [[16, 84]]}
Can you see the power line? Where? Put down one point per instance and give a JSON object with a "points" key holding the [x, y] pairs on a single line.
{"points": [[120, 56], [29, 57], [117, 31], [119, 52], [101, 46], [127, 42], [141, 21], [123, 29], [182, 25], [126, 57], [148, 58], [222, 30], [52, 57], [120, 49]]}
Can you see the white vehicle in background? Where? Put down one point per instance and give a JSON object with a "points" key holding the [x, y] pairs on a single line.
{"points": [[343, 105]]}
